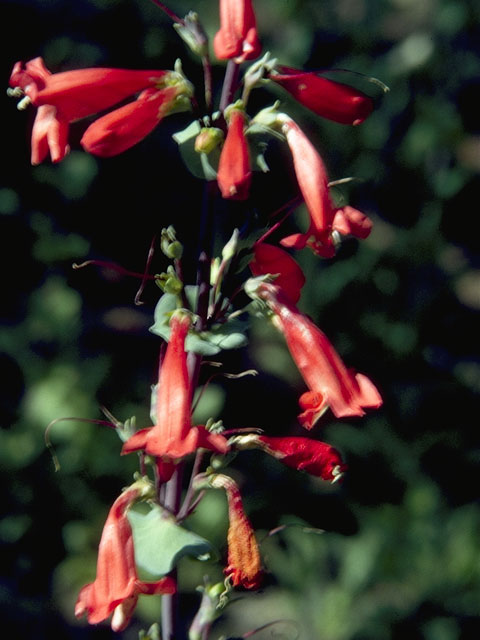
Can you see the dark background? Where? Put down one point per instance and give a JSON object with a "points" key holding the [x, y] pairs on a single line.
{"points": [[401, 554]]}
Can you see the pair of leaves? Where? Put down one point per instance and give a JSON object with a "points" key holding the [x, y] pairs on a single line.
{"points": [[229, 335], [160, 542]]}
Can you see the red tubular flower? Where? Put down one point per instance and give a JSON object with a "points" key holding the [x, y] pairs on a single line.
{"points": [[268, 258], [313, 182], [331, 383], [326, 98], [82, 92], [244, 565], [317, 458], [64, 97], [117, 586], [234, 173], [122, 128], [237, 37], [173, 436]]}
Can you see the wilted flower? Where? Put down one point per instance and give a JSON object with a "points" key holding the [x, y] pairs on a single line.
{"points": [[244, 565], [116, 587]]}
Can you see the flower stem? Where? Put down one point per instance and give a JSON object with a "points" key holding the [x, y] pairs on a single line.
{"points": [[168, 11], [230, 84]]}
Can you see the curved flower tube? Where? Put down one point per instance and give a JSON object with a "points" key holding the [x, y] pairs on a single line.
{"points": [[122, 128], [237, 37], [173, 436], [332, 100], [313, 182], [331, 384], [116, 587], [268, 258]]}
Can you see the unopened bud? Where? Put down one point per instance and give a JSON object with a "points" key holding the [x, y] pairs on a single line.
{"points": [[215, 590], [214, 271], [230, 249], [208, 139], [175, 250], [270, 118], [169, 282], [169, 244], [193, 33]]}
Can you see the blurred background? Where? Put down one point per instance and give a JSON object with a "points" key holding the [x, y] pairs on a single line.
{"points": [[400, 556]]}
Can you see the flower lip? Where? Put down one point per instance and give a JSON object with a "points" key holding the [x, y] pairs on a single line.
{"points": [[269, 259]]}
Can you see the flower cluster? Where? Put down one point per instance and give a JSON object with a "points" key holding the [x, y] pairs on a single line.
{"points": [[63, 98], [203, 320]]}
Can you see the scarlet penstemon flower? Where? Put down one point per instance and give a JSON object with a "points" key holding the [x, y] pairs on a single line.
{"points": [[244, 564], [65, 97], [332, 100], [325, 218], [71, 95], [234, 172], [116, 587], [331, 384], [173, 436], [304, 454], [237, 37], [313, 182], [122, 128]]}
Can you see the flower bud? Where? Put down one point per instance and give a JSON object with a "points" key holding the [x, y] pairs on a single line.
{"points": [[169, 244], [208, 139]]}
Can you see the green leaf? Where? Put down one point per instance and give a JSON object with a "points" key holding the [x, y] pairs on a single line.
{"points": [[163, 309], [160, 542], [230, 335]]}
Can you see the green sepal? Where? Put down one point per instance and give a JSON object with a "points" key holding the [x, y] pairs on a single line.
{"points": [[160, 542], [201, 165]]}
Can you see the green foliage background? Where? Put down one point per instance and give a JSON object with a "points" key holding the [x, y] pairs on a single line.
{"points": [[400, 556]]}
